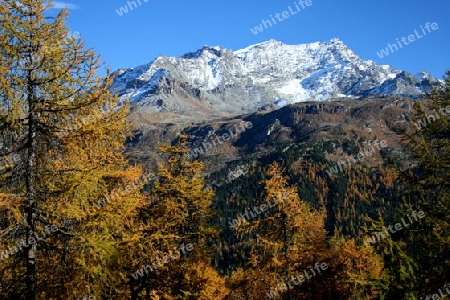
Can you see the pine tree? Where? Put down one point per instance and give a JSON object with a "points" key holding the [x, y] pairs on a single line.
{"points": [[428, 243], [62, 132]]}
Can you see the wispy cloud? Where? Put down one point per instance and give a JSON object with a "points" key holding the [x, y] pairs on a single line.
{"points": [[61, 4]]}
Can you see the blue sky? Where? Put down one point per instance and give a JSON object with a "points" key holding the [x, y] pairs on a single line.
{"points": [[175, 27]]}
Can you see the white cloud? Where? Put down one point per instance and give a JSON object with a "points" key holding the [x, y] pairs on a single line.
{"points": [[60, 5]]}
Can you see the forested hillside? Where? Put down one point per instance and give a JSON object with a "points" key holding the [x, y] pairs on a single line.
{"points": [[346, 199]]}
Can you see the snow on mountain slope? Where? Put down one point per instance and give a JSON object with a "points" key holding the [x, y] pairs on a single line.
{"points": [[219, 80]]}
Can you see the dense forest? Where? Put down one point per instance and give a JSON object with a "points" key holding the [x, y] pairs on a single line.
{"points": [[78, 220]]}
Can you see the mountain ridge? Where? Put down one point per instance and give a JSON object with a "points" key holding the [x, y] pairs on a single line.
{"points": [[215, 80]]}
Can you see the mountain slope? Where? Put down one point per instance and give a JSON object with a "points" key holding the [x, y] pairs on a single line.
{"points": [[223, 141], [217, 81]]}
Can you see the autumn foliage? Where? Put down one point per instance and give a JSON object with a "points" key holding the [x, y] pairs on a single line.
{"points": [[78, 220]]}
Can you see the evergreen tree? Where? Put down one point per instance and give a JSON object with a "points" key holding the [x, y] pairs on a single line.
{"points": [[428, 243]]}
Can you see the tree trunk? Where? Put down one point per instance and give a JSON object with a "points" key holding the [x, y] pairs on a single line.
{"points": [[30, 250]]}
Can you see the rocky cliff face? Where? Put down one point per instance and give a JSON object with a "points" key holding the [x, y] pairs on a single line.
{"points": [[217, 81]]}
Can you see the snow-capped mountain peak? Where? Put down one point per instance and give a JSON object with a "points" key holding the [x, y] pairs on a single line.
{"points": [[221, 80]]}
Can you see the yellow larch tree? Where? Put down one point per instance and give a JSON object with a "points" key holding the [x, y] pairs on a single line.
{"points": [[69, 204], [293, 257], [178, 216]]}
